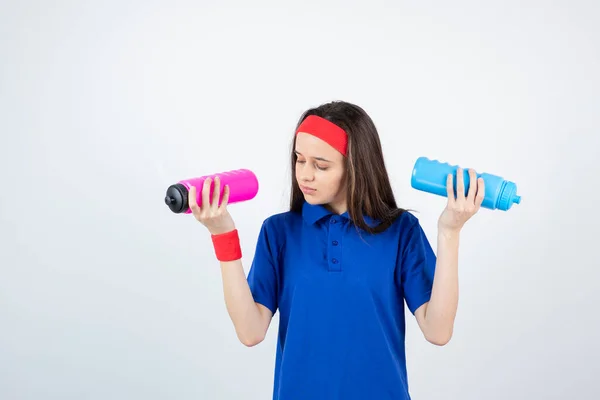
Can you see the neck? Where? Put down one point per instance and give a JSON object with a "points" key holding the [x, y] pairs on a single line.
{"points": [[337, 208]]}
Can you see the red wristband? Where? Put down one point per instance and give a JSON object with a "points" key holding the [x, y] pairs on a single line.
{"points": [[227, 246]]}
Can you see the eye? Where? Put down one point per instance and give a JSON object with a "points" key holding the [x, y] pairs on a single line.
{"points": [[322, 168]]}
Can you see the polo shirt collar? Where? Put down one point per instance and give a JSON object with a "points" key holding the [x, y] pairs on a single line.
{"points": [[312, 213]]}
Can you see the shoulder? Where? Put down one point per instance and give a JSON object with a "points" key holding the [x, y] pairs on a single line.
{"points": [[407, 230], [398, 232], [405, 223], [277, 227], [282, 221], [412, 239]]}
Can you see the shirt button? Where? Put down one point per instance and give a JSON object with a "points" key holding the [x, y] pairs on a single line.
{"points": [[334, 260], [335, 242], [333, 221]]}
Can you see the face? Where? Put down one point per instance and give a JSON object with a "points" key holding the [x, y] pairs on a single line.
{"points": [[320, 172]]}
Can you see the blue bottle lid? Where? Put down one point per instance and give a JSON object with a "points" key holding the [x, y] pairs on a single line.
{"points": [[508, 196]]}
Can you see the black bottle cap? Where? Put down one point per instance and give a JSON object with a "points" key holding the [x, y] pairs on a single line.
{"points": [[177, 198]]}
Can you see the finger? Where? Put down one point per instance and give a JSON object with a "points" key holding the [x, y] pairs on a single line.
{"points": [[480, 192], [450, 189], [460, 185], [205, 194], [193, 204], [225, 197], [472, 186], [216, 194]]}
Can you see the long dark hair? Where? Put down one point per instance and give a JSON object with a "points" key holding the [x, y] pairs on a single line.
{"points": [[369, 190]]}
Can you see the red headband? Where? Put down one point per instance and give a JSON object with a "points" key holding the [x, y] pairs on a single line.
{"points": [[326, 131]]}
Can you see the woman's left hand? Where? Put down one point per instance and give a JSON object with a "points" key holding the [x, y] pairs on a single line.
{"points": [[460, 207]]}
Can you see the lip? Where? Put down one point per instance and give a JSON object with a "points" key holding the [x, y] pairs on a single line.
{"points": [[306, 189]]}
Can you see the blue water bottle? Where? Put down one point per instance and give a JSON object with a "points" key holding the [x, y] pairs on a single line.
{"points": [[430, 176]]}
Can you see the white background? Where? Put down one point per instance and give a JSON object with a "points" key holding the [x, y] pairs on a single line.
{"points": [[106, 294]]}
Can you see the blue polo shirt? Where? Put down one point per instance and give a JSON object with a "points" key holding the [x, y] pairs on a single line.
{"points": [[340, 296]]}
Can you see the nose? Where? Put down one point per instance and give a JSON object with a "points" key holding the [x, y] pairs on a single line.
{"points": [[306, 173]]}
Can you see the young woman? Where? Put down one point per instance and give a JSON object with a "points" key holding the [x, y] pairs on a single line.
{"points": [[339, 265]]}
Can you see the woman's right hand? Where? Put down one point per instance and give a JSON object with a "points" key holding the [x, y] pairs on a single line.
{"points": [[214, 216]]}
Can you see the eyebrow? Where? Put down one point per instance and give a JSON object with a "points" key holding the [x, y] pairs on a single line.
{"points": [[316, 158]]}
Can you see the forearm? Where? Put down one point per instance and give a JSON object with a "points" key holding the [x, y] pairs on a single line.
{"points": [[442, 307], [242, 309]]}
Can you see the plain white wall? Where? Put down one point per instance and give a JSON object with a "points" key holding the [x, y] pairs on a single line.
{"points": [[105, 294]]}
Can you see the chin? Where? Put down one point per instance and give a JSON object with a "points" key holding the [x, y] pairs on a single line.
{"points": [[312, 200]]}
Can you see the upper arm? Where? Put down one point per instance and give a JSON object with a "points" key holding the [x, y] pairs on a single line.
{"points": [[420, 315], [265, 317], [417, 268], [263, 277]]}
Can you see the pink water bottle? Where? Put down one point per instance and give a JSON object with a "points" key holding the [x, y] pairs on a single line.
{"points": [[243, 186]]}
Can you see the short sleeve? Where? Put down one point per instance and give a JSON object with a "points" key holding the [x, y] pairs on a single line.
{"points": [[417, 268], [263, 274]]}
